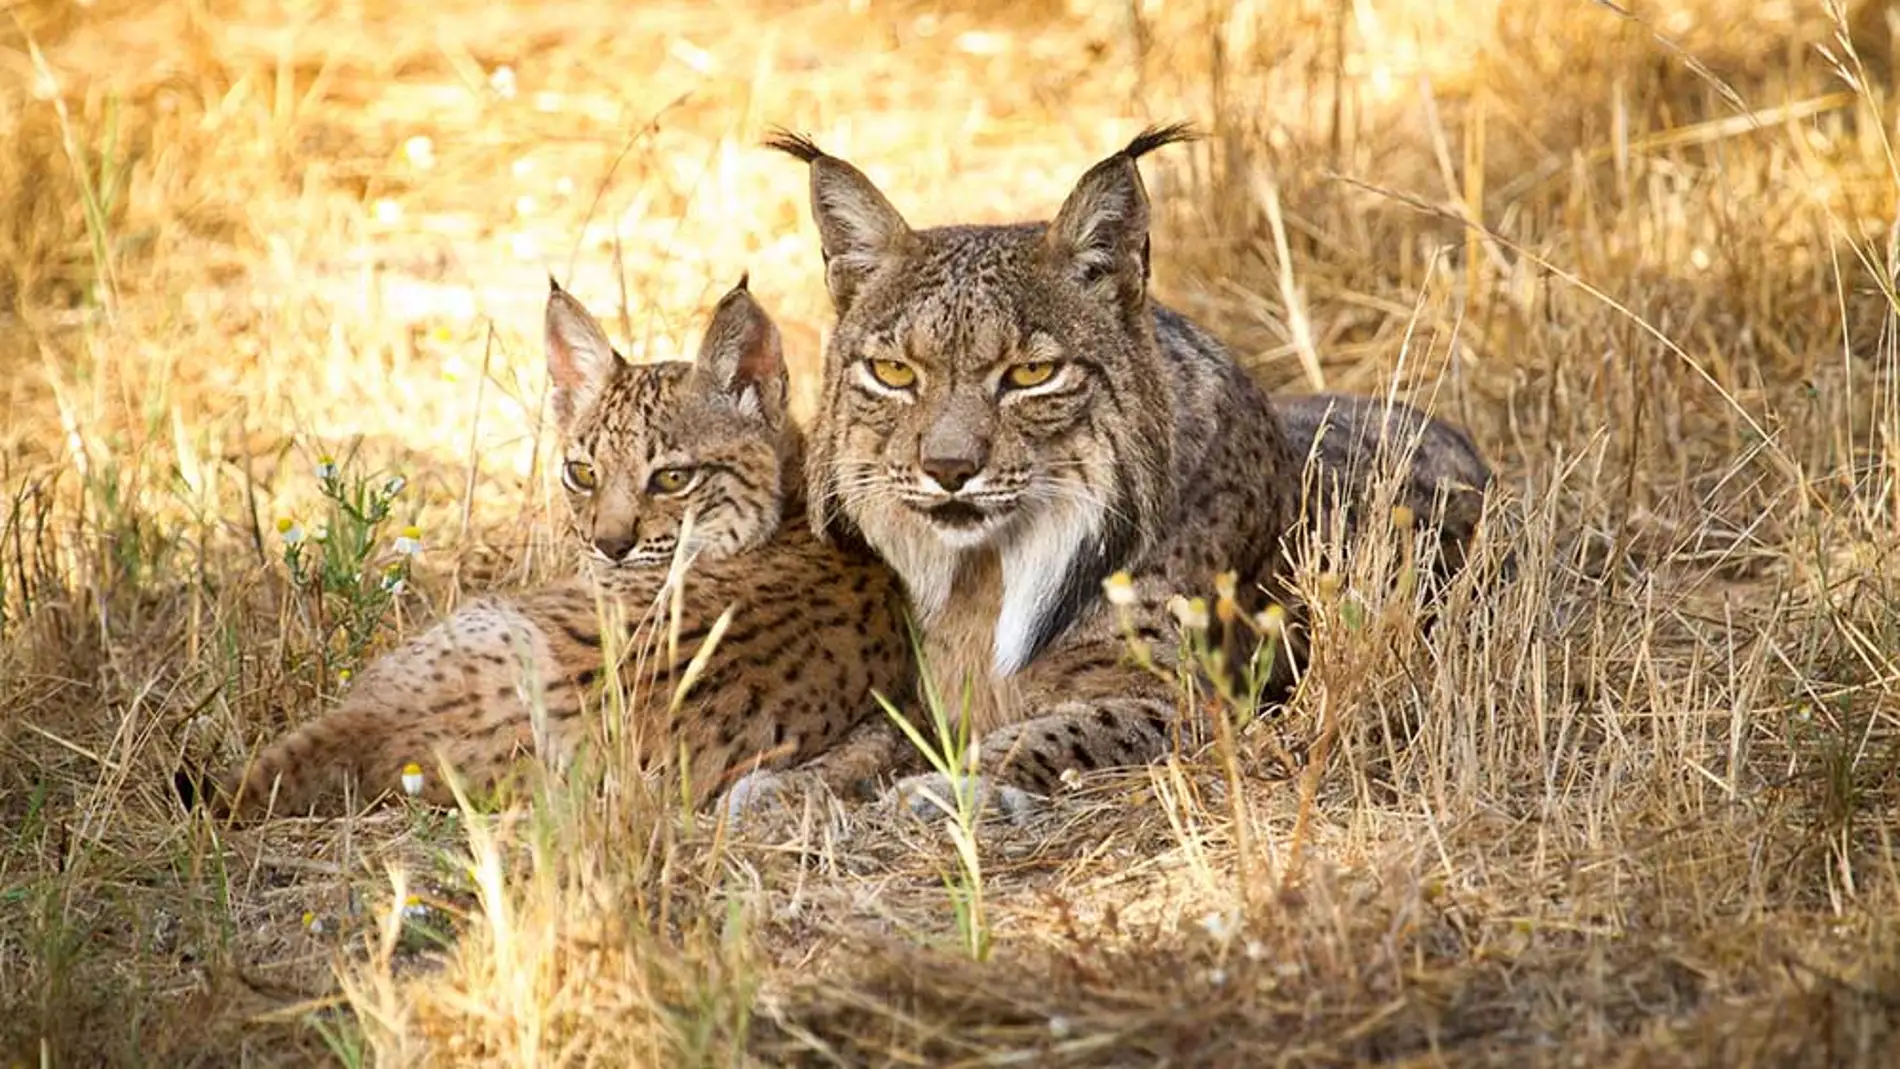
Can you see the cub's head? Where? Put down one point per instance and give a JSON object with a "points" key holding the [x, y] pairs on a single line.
{"points": [[645, 445], [992, 387]]}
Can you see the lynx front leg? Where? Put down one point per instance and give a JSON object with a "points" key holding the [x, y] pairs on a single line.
{"points": [[1088, 706], [872, 749]]}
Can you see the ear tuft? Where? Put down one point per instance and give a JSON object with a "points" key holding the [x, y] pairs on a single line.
{"points": [[742, 356], [1155, 137], [858, 229], [794, 144], [1100, 237], [581, 361]]}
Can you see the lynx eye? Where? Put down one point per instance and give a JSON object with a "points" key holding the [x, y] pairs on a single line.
{"points": [[894, 374], [670, 480], [578, 476], [1034, 373]]}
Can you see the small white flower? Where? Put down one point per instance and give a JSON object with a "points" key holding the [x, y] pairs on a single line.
{"points": [[526, 205], [320, 533], [312, 923], [502, 81], [1217, 976], [1071, 778], [1221, 926], [413, 909], [393, 581], [420, 151], [409, 543], [1255, 950], [1059, 1027], [394, 485], [1190, 613], [412, 779], [1270, 620], [291, 530], [1120, 590], [386, 211], [326, 467], [343, 677]]}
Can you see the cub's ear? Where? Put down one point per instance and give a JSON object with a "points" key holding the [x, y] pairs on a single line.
{"points": [[1100, 237], [742, 358], [858, 229], [581, 361]]}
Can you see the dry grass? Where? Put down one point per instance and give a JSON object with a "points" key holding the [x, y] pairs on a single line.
{"points": [[1637, 808]]}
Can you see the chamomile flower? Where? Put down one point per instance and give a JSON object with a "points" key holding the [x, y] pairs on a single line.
{"points": [[326, 467], [412, 779], [1119, 589], [312, 923], [343, 677], [502, 81], [413, 908], [394, 582], [1271, 620], [290, 530], [420, 151], [409, 543], [1221, 926], [394, 485], [1226, 608], [1190, 613]]}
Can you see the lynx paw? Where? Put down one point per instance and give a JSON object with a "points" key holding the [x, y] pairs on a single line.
{"points": [[931, 796]]}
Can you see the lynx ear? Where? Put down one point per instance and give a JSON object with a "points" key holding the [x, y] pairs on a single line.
{"points": [[742, 358], [581, 361], [1100, 237], [858, 228]]}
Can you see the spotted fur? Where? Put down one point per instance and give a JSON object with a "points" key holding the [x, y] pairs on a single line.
{"points": [[815, 630]]}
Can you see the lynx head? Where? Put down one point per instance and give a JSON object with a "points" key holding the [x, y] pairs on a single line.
{"points": [[645, 445], [993, 389]]}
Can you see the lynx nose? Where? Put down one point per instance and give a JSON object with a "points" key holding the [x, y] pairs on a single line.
{"points": [[613, 546], [952, 472]]}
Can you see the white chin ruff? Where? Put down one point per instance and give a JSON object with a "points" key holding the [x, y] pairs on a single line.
{"points": [[1036, 562]]}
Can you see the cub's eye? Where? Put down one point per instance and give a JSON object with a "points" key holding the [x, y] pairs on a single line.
{"points": [[1034, 373], [669, 480], [578, 476], [894, 373]]}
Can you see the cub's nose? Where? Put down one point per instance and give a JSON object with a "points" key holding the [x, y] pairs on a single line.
{"points": [[614, 546], [951, 472]]}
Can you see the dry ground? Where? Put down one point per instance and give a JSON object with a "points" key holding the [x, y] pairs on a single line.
{"points": [[1636, 808]]}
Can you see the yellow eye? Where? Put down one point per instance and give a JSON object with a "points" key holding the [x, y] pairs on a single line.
{"points": [[894, 373], [669, 480], [1034, 373], [578, 476]]}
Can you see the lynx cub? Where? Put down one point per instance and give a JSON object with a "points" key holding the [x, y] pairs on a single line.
{"points": [[816, 629], [1009, 419]]}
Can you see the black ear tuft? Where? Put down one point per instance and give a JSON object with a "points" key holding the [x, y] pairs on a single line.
{"points": [[1155, 137], [799, 145], [553, 286], [745, 282], [858, 229]]}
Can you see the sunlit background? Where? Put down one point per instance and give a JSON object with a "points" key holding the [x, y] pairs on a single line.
{"points": [[1645, 251]]}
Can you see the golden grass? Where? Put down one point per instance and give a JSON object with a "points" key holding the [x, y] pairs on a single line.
{"points": [[1635, 808]]}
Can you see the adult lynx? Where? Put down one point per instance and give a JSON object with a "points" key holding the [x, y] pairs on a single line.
{"points": [[1009, 419]]}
